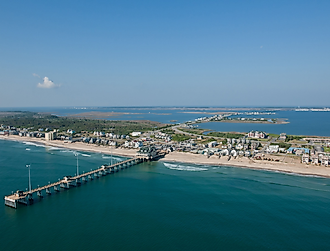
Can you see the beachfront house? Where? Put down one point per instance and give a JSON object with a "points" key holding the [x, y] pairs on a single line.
{"points": [[147, 152], [273, 149], [212, 144], [305, 158], [257, 135], [297, 150], [281, 149], [138, 144], [325, 161], [50, 136], [225, 152], [233, 153], [315, 159], [112, 143]]}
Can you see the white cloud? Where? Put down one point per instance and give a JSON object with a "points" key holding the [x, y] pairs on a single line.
{"points": [[36, 75], [47, 83]]}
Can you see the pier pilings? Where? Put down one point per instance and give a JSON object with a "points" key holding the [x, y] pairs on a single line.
{"points": [[67, 182]]}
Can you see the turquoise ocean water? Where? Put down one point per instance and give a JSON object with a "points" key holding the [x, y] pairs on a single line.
{"points": [[160, 206]]}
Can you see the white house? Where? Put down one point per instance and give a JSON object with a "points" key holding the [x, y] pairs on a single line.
{"points": [[212, 144], [136, 134], [138, 144], [70, 131], [273, 148], [257, 135]]}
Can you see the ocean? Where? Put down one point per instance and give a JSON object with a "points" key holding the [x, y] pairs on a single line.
{"points": [[160, 206]]}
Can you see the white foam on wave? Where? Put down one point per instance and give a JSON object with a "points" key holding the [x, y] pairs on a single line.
{"points": [[114, 158], [27, 149], [54, 148], [296, 174], [85, 155], [184, 168], [32, 144], [66, 151], [106, 157]]}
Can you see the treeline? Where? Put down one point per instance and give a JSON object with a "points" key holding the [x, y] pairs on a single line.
{"points": [[38, 120]]}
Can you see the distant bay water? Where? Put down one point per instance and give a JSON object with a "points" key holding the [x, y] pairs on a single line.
{"points": [[300, 123], [160, 206]]}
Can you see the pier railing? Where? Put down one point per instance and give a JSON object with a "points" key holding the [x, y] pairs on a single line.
{"points": [[26, 197]]}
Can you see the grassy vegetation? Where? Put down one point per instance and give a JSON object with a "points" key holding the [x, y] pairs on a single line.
{"points": [[180, 137], [39, 120], [194, 131], [168, 131], [293, 137], [163, 126], [273, 135], [327, 149], [226, 135], [207, 140]]}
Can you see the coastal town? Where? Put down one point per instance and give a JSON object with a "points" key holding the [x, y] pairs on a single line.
{"points": [[256, 146]]}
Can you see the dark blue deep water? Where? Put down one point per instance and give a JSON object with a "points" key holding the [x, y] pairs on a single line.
{"points": [[160, 206]]}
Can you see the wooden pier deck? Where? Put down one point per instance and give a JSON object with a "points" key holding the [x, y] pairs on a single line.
{"points": [[26, 197]]}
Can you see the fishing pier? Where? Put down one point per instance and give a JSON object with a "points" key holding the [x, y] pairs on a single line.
{"points": [[26, 198]]}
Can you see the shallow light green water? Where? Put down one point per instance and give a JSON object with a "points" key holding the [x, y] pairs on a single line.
{"points": [[160, 206]]}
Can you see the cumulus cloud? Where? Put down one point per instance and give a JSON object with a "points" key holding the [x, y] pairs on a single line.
{"points": [[47, 83]]}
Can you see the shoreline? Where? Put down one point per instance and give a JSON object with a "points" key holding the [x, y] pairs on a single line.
{"points": [[293, 167], [280, 122]]}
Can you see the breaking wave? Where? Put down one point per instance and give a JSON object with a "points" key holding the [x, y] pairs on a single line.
{"points": [[184, 168], [66, 151], [54, 148], [85, 155], [106, 157], [32, 144], [114, 158], [27, 149]]}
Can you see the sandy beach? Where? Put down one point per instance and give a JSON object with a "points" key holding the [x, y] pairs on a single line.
{"points": [[293, 167]]}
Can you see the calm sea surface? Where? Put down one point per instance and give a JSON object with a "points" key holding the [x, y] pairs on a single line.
{"points": [[160, 206]]}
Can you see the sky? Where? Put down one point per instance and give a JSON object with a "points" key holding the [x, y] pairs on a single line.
{"points": [[164, 53]]}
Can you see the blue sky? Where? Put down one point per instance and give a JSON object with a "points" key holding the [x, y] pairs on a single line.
{"points": [[145, 53]]}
